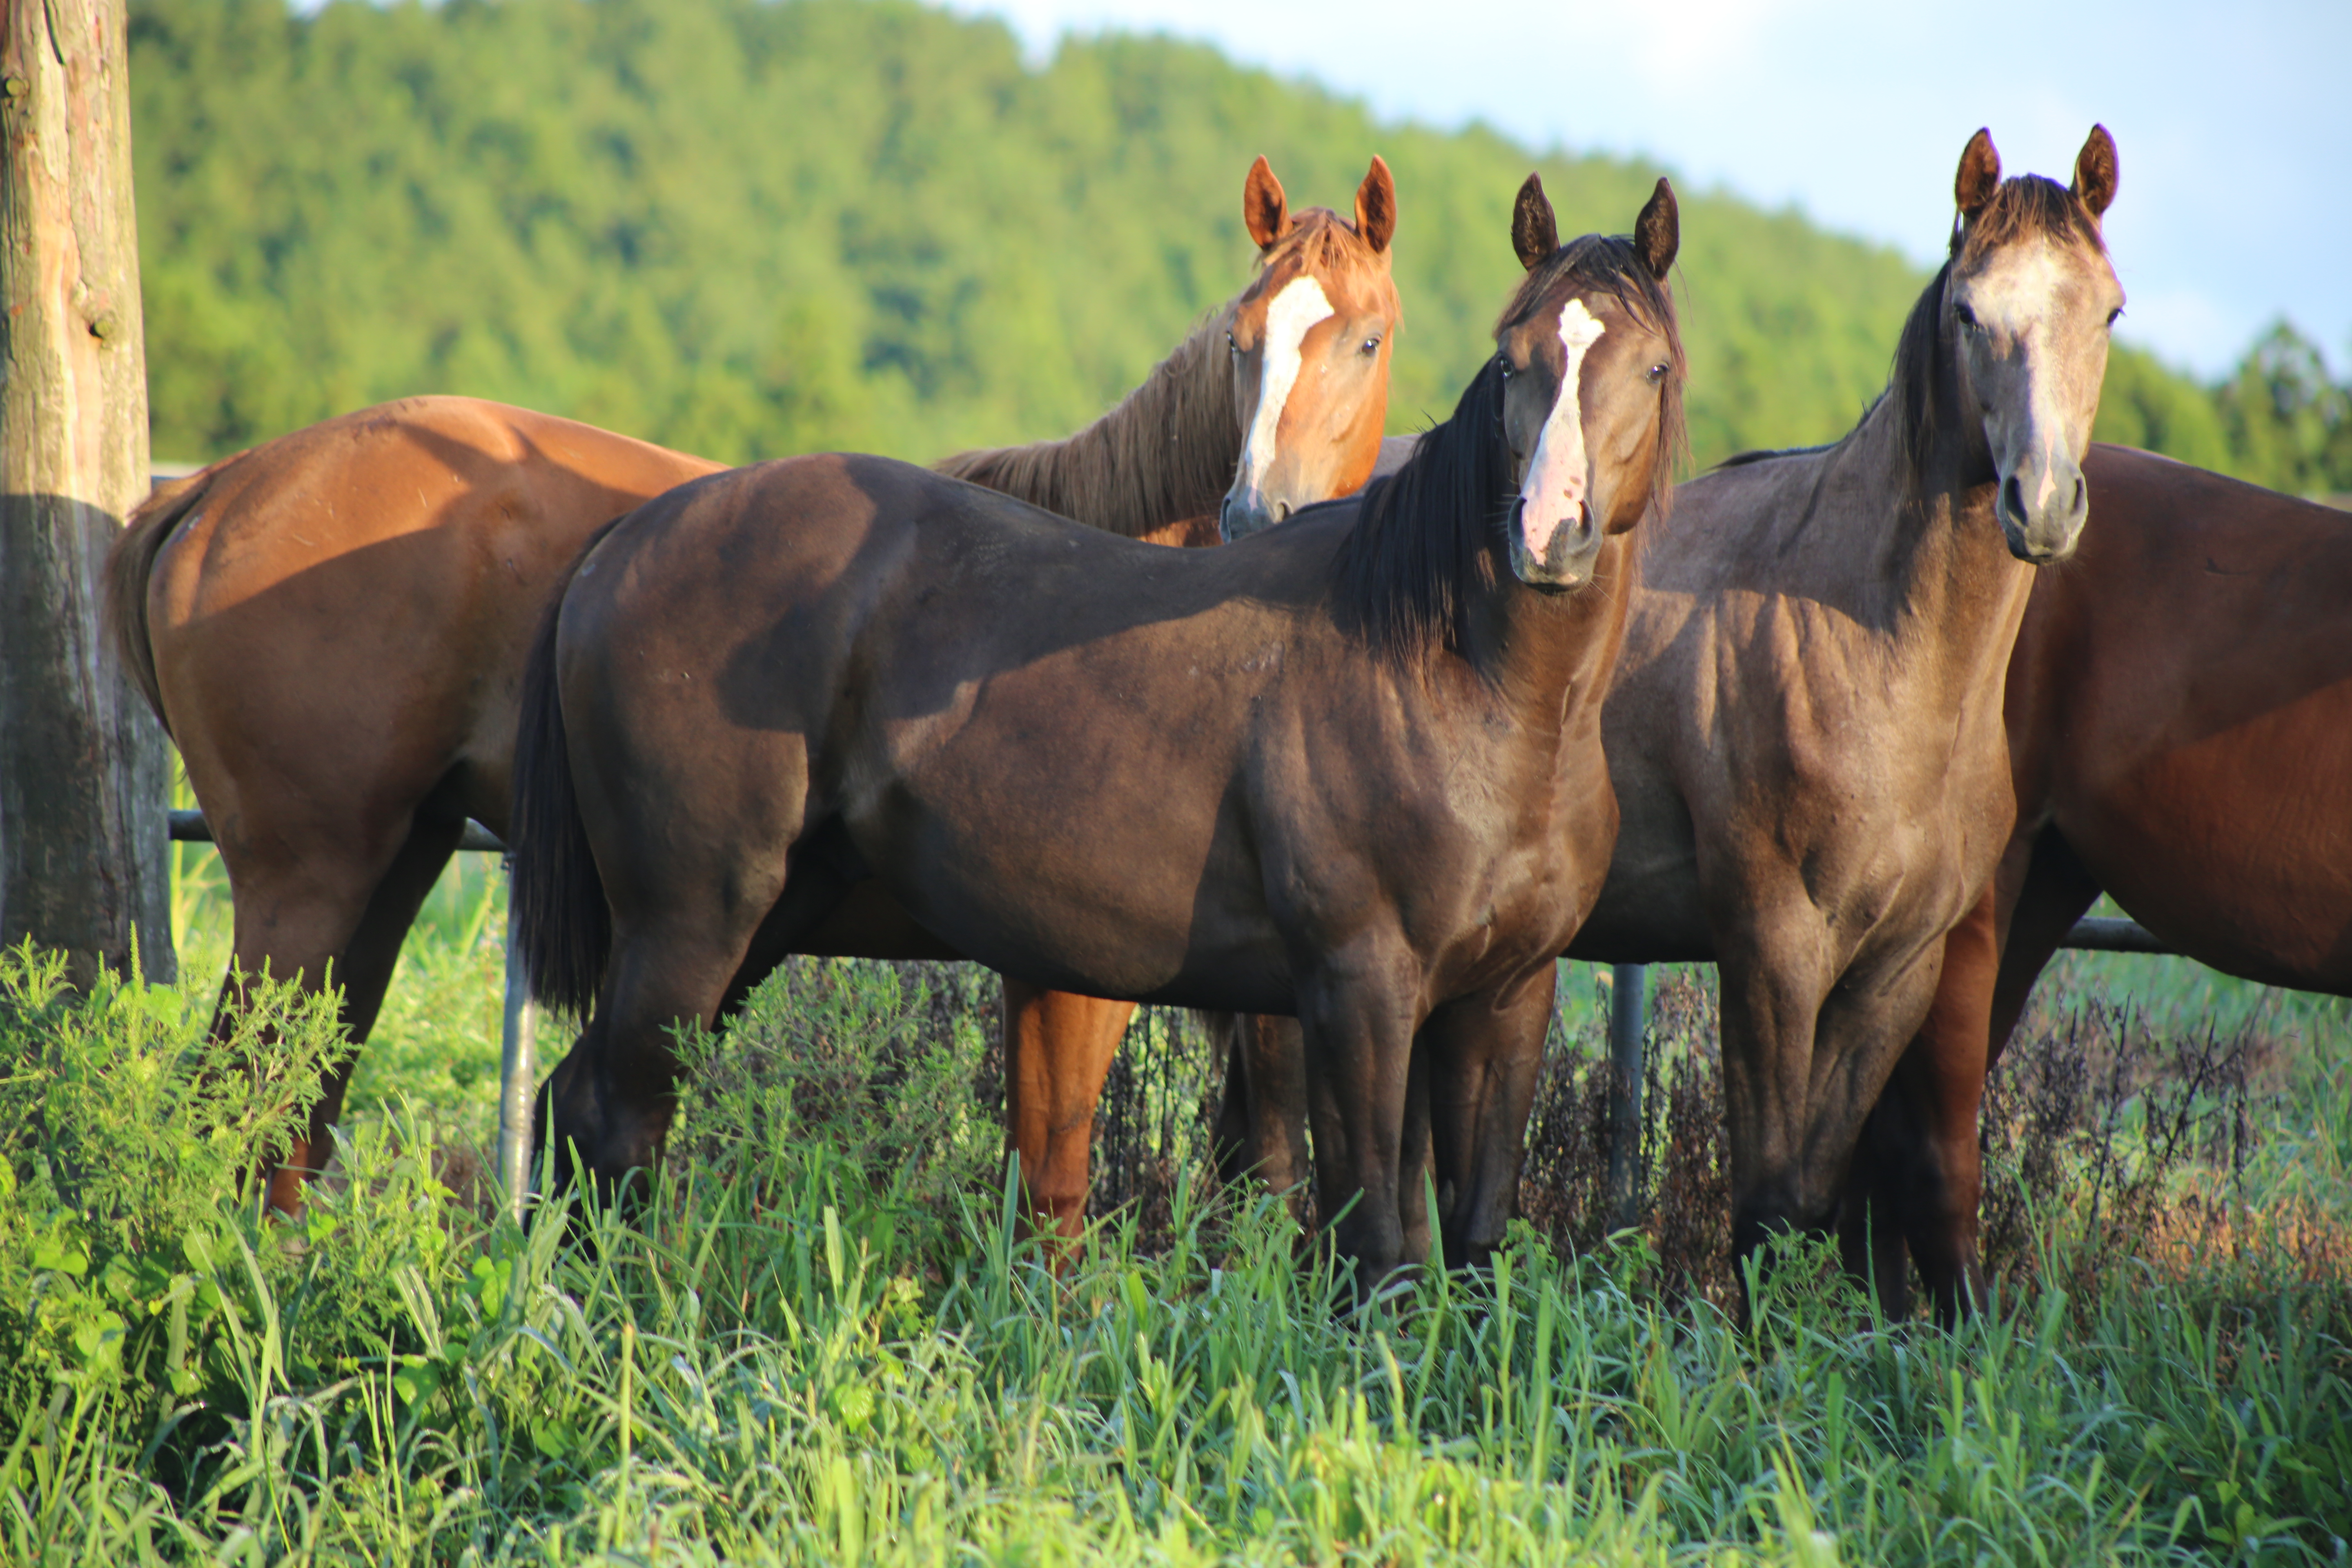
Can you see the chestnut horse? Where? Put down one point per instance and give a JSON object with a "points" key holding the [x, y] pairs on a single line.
{"points": [[1805, 731], [2180, 716], [1348, 768], [333, 625]]}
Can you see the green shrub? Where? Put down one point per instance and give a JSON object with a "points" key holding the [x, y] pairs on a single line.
{"points": [[125, 1130], [839, 1085]]}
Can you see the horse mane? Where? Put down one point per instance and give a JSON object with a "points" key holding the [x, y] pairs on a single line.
{"points": [[1167, 451], [1766, 454], [1399, 570], [1916, 388]]}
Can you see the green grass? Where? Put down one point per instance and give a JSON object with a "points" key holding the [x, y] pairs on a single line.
{"points": [[822, 1341]]}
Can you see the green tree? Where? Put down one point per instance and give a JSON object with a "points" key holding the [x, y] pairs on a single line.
{"points": [[2289, 425]]}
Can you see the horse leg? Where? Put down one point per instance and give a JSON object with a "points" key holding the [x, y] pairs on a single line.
{"points": [[304, 896], [1772, 983], [1058, 1047], [1262, 1124], [1356, 1014], [1911, 1191], [364, 974], [1865, 1025], [305, 931], [1231, 1139], [1485, 1052], [609, 1102], [2056, 891]]}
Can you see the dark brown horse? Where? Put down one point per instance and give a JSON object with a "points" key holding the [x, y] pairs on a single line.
{"points": [[1348, 768], [2180, 719], [332, 625], [1805, 730]]}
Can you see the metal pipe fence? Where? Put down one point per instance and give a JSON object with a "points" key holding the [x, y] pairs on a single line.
{"points": [[1627, 1018]]}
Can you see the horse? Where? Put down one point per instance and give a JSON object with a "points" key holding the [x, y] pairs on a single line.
{"points": [[2178, 709], [1805, 733], [1347, 768], [333, 625]]}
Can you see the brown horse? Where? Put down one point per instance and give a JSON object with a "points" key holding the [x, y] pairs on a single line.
{"points": [[1348, 768], [1805, 730], [332, 625], [1309, 343], [2180, 719]]}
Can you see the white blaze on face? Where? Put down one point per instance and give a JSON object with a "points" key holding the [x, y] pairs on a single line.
{"points": [[1557, 476], [1288, 320], [2018, 299]]}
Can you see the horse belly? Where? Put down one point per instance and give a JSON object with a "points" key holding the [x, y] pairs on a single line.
{"points": [[1062, 845], [1102, 905], [2236, 849]]}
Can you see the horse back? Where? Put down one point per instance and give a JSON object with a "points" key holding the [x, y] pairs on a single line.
{"points": [[342, 613]]}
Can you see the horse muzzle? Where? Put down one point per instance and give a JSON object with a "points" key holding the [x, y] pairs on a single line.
{"points": [[1567, 556], [2043, 508], [1242, 515]]}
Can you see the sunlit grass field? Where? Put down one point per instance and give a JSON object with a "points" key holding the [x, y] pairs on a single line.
{"points": [[822, 1341]]}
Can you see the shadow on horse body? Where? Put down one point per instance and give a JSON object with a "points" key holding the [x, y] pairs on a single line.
{"points": [[1805, 729], [1348, 768], [2180, 720], [333, 625]]}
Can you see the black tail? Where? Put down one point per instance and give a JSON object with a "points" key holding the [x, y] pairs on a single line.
{"points": [[561, 922]]}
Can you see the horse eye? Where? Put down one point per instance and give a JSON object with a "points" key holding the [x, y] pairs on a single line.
{"points": [[1372, 344], [1657, 373], [2113, 315], [1967, 318], [1232, 345], [1504, 366]]}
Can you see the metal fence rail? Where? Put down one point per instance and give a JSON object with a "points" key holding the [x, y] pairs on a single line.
{"points": [[1628, 1017]]}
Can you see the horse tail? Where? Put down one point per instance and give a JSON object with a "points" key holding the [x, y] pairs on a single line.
{"points": [[562, 926], [122, 592]]}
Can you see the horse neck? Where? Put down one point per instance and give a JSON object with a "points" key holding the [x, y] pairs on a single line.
{"points": [[1550, 654], [1932, 575], [1166, 453]]}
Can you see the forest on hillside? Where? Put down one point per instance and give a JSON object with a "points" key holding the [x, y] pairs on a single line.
{"points": [[752, 227]]}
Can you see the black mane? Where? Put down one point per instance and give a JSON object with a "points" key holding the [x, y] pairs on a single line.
{"points": [[1423, 527]]}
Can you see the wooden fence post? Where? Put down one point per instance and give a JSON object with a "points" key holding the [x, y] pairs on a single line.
{"points": [[84, 860]]}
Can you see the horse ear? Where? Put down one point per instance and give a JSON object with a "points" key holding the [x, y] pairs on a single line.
{"points": [[1264, 208], [1376, 206], [1979, 174], [1534, 233], [2095, 171], [1658, 232]]}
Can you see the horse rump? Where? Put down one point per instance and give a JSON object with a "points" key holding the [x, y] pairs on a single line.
{"points": [[122, 596]]}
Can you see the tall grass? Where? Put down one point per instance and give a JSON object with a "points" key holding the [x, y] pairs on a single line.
{"points": [[821, 1339]]}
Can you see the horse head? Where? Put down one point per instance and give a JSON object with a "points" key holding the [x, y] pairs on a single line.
{"points": [[2029, 298], [1591, 369], [1309, 341]]}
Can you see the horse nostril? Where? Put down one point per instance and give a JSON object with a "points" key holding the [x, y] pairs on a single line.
{"points": [[1281, 511], [2012, 497], [2080, 502]]}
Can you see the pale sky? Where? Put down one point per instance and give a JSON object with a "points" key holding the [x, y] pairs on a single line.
{"points": [[2232, 122]]}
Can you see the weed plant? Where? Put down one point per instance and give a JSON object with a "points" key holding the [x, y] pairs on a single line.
{"points": [[821, 1338]]}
